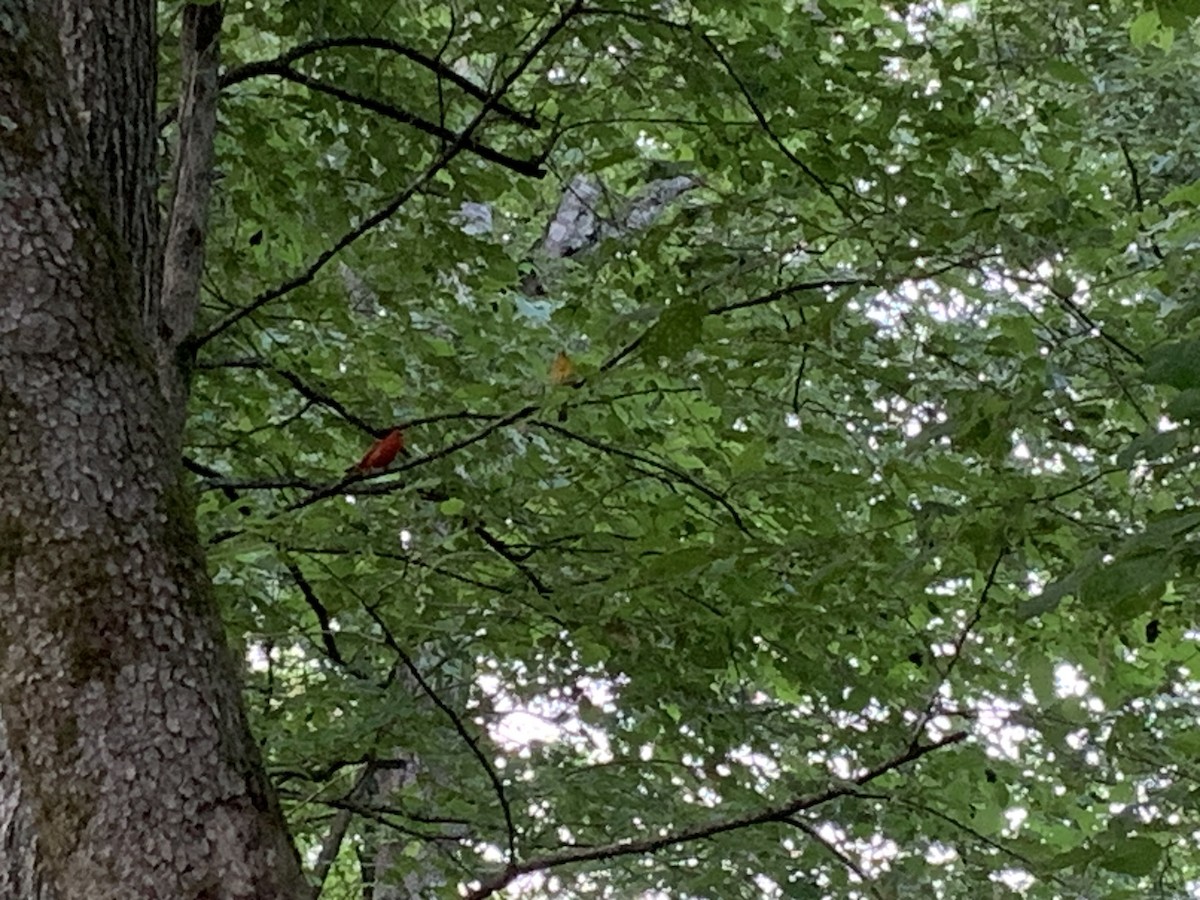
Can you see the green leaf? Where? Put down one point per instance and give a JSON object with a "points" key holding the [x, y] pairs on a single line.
{"points": [[1065, 71], [1050, 597], [1042, 678], [1149, 446], [750, 459], [678, 563], [677, 331], [1144, 27], [1132, 856], [1125, 579], [1185, 406], [1187, 194], [1177, 365]]}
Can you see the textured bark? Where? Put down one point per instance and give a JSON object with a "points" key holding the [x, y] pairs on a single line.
{"points": [[129, 771], [174, 315], [18, 860], [111, 65]]}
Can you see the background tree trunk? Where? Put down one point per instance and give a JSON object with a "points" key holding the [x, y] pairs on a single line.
{"points": [[130, 770]]}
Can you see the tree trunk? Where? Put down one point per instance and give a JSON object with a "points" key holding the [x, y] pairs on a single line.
{"points": [[126, 765]]}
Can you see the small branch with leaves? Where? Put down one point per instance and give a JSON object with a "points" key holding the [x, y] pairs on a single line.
{"points": [[459, 726], [444, 71], [782, 812], [528, 168], [392, 206]]}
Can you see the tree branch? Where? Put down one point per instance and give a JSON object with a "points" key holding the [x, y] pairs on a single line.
{"points": [[183, 251], [319, 610], [705, 39], [343, 486], [653, 463], [779, 813], [280, 483], [1080, 314], [332, 843], [529, 168], [787, 290], [441, 69], [519, 564], [959, 643], [408, 560], [299, 384], [457, 722], [392, 206], [836, 851]]}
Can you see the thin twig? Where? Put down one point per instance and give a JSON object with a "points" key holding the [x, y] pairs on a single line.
{"points": [[788, 290], [357, 484], [408, 560], [319, 610], [519, 564], [759, 116], [846, 860], [959, 643], [1068, 303], [1139, 201], [354, 484], [1024, 860], [303, 388], [767, 128], [257, 484], [457, 722], [653, 463], [331, 845]]}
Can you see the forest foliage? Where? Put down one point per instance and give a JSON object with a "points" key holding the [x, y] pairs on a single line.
{"points": [[854, 553]]}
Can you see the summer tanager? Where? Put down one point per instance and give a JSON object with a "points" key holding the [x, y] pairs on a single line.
{"points": [[381, 454]]}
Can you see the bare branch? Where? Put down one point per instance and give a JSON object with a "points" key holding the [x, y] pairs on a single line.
{"points": [[1080, 314], [788, 290], [705, 39], [408, 560], [320, 611], [354, 484], [1029, 863], [763, 122], [332, 843], [959, 643], [280, 483], [299, 384], [518, 563]]}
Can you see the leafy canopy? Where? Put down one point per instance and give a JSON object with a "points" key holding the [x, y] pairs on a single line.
{"points": [[854, 556]]}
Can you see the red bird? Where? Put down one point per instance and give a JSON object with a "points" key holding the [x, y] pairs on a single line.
{"points": [[381, 454]]}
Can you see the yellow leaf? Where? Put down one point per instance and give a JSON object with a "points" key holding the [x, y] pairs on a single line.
{"points": [[562, 370]]}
